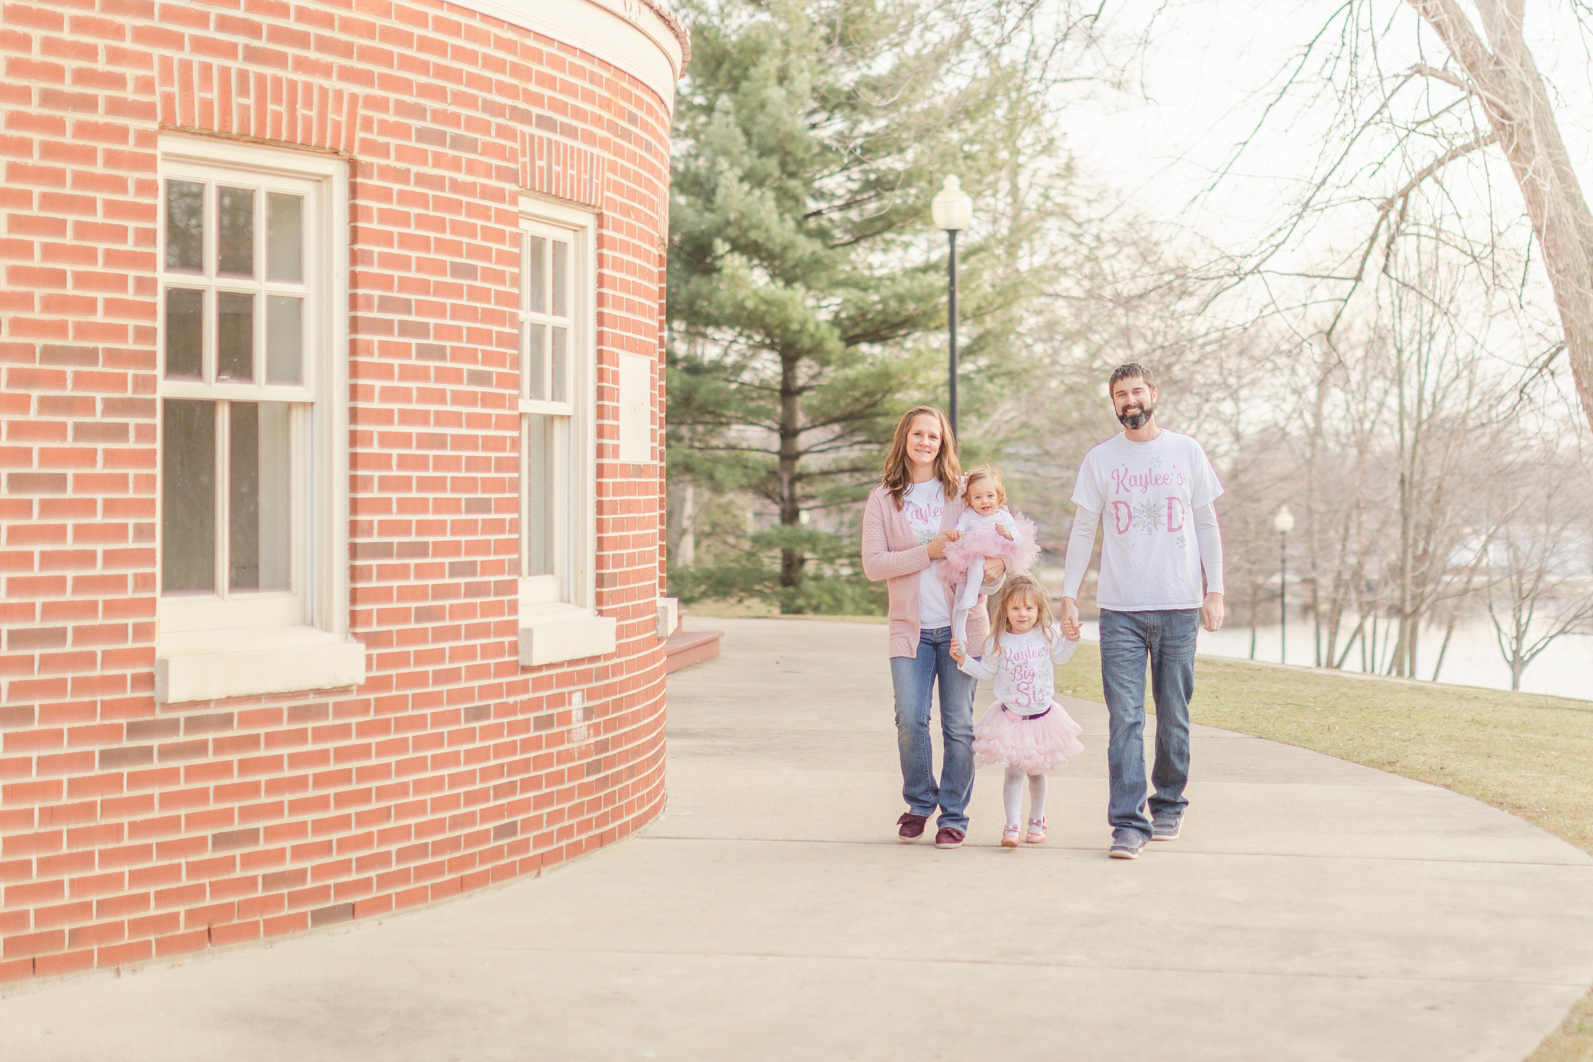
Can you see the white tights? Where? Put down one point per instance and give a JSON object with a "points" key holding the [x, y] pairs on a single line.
{"points": [[964, 600], [1012, 795]]}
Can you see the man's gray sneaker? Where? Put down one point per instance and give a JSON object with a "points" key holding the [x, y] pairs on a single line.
{"points": [[1166, 827], [1126, 844]]}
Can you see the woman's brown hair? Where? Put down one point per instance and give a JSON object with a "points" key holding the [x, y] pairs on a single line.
{"points": [[898, 474], [1028, 586]]}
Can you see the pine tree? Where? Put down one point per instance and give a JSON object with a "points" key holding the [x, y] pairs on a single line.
{"points": [[807, 299]]}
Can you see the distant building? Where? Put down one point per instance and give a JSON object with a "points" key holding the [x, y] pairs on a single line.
{"points": [[333, 488]]}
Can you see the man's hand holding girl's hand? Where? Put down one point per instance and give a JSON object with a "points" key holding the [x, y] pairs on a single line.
{"points": [[1070, 619], [956, 651]]}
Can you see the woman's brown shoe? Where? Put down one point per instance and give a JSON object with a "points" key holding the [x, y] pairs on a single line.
{"points": [[912, 827]]}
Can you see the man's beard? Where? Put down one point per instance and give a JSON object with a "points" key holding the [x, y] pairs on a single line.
{"points": [[1134, 418]]}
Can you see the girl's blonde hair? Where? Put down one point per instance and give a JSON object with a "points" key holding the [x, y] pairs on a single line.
{"points": [[898, 474], [990, 472], [1022, 585]]}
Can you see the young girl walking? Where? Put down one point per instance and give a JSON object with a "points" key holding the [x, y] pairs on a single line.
{"points": [[1025, 730], [985, 529]]}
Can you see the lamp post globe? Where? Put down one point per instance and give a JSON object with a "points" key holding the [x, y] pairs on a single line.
{"points": [[952, 210], [951, 207]]}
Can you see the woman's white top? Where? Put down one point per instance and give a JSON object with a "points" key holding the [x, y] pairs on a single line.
{"points": [[924, 505], [972, 521], [1023, 669]]}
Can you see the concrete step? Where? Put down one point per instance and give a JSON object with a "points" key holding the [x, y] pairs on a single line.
{"points": [[685, 648]]}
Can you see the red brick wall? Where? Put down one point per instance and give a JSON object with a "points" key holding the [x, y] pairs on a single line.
{"points": [[131, 831]]}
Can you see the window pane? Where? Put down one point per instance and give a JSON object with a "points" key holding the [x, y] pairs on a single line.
{"points": [[234, 336], [561, 360], [185, 325], [284, 339], [235, 231], [561, 271], [258, 496], [535, 368], [284, 236], [539, 275], [185, 225], [539, 486], [188, 497]]}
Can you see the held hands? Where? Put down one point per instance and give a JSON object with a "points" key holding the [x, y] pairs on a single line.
{"points": [[938, 544], [1213, 611], [956, 651], [1070, 619]]}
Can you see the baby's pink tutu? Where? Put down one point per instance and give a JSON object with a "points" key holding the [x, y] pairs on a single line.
{"points": [[1033, 744], [988, 542]]}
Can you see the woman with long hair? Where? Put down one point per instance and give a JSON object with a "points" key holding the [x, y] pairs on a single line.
{"points": [[908, 522]]}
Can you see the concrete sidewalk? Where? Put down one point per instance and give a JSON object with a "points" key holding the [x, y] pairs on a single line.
{"points": [[1314, 909]]}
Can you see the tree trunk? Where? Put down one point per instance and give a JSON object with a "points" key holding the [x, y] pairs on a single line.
{"points": [[1407, 521], [686, 551], [1358, 634], [1512, 93], [1449, 632], [791, 561]]}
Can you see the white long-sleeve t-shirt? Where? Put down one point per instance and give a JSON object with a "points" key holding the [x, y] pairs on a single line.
{"points": [[1023, 669], [973, 521], [1161, 529]]}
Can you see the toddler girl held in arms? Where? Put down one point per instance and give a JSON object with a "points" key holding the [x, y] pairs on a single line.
{"points": [[1025, 730], [985, 529]]}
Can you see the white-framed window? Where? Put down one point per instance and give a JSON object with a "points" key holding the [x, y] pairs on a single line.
{"points": [[558, 436], [252, 338]]}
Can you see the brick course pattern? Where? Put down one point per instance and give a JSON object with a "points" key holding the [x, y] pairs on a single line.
{"points": [[131, 832]]}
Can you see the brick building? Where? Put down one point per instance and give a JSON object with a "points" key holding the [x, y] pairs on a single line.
{"points": [[333, 496]]}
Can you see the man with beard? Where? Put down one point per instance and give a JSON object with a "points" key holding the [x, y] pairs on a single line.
{"points": [[1155, 489]]}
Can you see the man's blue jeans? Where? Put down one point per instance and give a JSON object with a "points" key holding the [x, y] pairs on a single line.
{"points": [[1167, 638], [914, 680]]}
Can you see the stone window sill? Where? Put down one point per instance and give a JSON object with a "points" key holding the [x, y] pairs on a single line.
{"points": [[212, 665], [551, 633]]}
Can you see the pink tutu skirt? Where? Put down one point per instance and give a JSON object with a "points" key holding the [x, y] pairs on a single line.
{"points": [[988, 542], [1033, 744]]}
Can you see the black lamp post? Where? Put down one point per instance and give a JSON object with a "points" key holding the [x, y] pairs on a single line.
{"points": [[952, 210]]}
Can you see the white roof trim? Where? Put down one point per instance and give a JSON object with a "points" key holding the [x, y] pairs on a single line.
{"points": [[638, 36]]}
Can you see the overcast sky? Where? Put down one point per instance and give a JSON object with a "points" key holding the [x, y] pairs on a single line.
{"points": [[1207, 74]]}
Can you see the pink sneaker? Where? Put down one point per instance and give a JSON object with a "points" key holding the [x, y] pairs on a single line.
{"points": [[1009, 837], [1036, 831]]}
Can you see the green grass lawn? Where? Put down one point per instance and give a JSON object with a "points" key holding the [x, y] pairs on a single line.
{"points": [[1524, 753]]}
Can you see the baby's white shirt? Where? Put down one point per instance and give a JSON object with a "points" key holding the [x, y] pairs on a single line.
{"points": [[1023, 669], [972, 521]]}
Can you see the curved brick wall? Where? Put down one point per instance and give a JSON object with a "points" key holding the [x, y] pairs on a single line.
{"points": [[131, 831]]}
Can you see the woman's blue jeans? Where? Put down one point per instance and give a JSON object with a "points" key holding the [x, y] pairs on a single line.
{"points": [[914, 680], [1167, 639]]}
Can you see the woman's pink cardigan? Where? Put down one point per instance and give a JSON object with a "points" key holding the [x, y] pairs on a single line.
{"points": [[891, 553]]}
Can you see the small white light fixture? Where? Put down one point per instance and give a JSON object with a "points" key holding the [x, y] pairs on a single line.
{"points": [[803, 517], [951, 207], [1283, 522]]}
